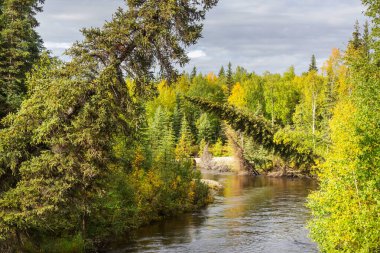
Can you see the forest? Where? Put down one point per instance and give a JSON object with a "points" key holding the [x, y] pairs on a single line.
{"points": [[102, 144]]}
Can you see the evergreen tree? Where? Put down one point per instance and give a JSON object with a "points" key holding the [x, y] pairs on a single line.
{"points": [[261, 131], [217, 149], [222, 73], [356, 40], [193, 73], [373, 7], [20, 46], [229, 75], [205, 130], [59, 146], [183, 149], [177, 117], [160, 123], [161, 137], [366, 40], [167, 148], [313, 64]]}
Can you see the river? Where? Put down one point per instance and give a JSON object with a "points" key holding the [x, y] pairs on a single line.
{"points": [[251, 214]]}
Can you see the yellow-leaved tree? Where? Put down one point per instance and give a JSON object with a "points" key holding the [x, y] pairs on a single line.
{"points": [[238, 96]]}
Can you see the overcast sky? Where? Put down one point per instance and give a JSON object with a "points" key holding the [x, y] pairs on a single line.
{"points": [[259, 35]]}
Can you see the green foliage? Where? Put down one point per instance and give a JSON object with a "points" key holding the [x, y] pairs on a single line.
{"points": [[254, 94], [209, 128], [346, 208], [20, 46], [206, 87], [177, 117], [205, 130], [193, 73], [218, 149], [161, 136], [89, 154], [74, 244], [60, 151], [372, 12], [183, 149], [313, 64], [229, 77], [257, 155], [222, 73], [281, 96], [260, 130]]}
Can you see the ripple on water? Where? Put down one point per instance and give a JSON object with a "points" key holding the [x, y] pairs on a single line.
{"points": [[265, 215]]}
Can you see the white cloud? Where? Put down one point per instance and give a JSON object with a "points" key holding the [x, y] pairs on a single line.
{"points": [[57, 45], [196, 54]]}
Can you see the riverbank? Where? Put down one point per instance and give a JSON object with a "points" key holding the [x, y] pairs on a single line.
{"points": [[229, 165], [250, 214], [133, 200]]}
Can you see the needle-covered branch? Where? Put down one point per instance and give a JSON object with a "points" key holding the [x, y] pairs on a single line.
{"points": [[260, 130]]}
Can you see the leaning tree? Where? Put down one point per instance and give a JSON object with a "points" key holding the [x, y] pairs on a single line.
{"points": [[56, 150]]}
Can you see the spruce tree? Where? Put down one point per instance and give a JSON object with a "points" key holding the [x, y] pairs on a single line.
{"points": [[366, 40], [261, 131], [59, 146], [159, 124], [222, 72], [20, 47], [193, 73], [356, 41], [373, 7], [313, 64], [167, 148], [205, 130], [177, 117], [230, 81], [183, 149], [161, 136]]}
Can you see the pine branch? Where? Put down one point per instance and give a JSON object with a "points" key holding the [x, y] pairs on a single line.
{"points": [[260, 130]]}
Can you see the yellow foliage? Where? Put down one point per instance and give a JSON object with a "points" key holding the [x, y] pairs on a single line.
{"points": [[139, 158], [183, 148], [343, 131], [183, 84], [337, 73], [211, 77], [238, 96], [167, 96], [332, 65]]}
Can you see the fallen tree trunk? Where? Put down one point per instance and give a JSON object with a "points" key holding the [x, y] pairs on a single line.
{"points": [[262, 132]]}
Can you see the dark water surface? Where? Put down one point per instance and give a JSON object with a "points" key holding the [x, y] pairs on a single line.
{"points": [[250, 215]]}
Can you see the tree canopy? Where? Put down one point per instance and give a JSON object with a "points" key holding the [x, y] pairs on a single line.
{"points": [[57, 150], [20, 47]]}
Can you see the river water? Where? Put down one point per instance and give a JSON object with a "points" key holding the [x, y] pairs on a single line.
{"points": [[251, 214]]}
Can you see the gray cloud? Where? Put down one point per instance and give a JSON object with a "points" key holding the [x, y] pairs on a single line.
{"points": [[61, 20], [258, 35], [274, 34]]}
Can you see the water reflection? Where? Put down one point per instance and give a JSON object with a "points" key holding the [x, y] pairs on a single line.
{"points": [[250, 215]]}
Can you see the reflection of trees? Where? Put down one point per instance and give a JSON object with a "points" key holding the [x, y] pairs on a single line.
{"points": [[255, 198], [237, 200], [244, 194], [177, 230], [254, 206]]}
